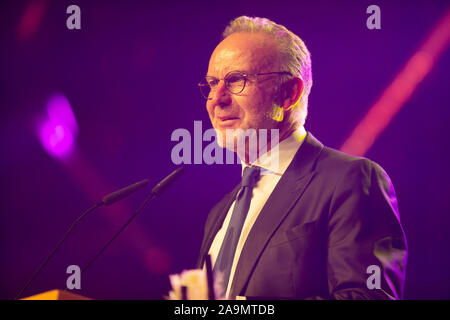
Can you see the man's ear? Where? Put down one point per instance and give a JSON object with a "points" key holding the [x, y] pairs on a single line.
{"points": [[294, 91]]}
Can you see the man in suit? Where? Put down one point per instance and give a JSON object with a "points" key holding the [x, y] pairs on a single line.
{"points": [[319, 225]]}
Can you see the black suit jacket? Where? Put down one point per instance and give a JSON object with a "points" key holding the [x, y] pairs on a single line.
{"points": [[330, 217]]}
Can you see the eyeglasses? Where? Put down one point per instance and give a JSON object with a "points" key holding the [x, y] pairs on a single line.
{"points": [[235, 82]]}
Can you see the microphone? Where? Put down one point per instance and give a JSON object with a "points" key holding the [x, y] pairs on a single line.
{"points": [[123, 193], [167, 181], [107, 200], [156, 191]]}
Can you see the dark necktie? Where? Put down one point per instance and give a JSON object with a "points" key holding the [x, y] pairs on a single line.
{"points": [[225, 258]]}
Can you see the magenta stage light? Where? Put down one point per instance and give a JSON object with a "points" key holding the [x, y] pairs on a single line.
{"points": [[60, 111], [56, 139], [58, 133]]}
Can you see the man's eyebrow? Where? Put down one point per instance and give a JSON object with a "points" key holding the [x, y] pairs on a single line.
{"points": [[234, 70]]}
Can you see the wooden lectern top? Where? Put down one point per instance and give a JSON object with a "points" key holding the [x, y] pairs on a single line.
{"points": [[56, 295]]}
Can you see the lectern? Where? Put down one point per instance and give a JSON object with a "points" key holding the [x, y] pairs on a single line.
{"points": [[56, 295]]}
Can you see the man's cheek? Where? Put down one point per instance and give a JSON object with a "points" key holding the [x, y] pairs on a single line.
{"points": [[211, 114]]}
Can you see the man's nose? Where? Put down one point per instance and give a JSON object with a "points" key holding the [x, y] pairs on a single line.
{"points": [[221, 96]]}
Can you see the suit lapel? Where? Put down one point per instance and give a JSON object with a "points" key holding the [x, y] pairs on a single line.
{"points": [[287, 192], [217, 217]]}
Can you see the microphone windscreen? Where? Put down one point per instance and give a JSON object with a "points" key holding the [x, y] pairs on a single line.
{"points": [[124, 192], [167, 181]]}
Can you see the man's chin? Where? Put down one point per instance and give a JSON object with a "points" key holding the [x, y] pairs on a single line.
{"points": [[225, 143], [234, 139], [226, 138]]}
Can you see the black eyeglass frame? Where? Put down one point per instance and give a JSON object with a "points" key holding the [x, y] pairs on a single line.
{"points": [[245, 75]]}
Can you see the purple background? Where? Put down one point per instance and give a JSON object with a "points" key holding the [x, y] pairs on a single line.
{"points": [[131, 77]]}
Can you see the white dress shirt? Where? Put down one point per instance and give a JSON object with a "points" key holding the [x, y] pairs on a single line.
{"points": [[270, 175]]}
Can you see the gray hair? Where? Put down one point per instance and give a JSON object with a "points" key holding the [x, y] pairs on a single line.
{"points": [[294, 56]]}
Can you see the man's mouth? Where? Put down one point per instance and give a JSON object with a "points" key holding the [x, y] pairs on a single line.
{"points": [[227, 121], [227, 118]]}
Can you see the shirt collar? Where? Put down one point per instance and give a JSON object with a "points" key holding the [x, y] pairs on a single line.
{"points": [[284, 154]]}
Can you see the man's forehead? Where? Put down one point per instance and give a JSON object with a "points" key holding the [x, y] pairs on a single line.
{"points": [[243, 51], [225, 61]]}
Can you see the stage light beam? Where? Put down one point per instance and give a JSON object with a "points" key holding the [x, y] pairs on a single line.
{"points": [[400, 90]]}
